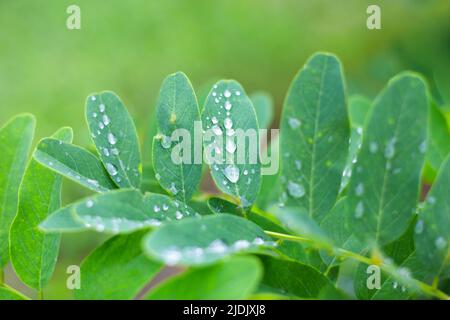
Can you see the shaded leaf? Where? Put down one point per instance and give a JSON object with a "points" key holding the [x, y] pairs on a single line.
{"points": [[196, 242], [438, 138], [75, 163], [263, 104], [117, 269], [34, 253], [7, 293], [236, 278], [314, 137], [175, 148], [114, 133], [15, 140]]}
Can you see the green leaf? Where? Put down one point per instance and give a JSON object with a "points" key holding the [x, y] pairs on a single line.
{"points": [[120, 211], [236, 278], [297, 279], [7, 293], [229, 115], [175, 149], [403, 255], [263, 104], [15, 140], [34, 253], [117, 270], [438, 138], [384, 187], [314, 137], [114, 134], [75, 163], [204, 241], [267, 196], [433, 225], [219, 206]]}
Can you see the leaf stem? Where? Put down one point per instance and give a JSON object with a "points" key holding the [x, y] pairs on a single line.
{"points": [[342, 253]]}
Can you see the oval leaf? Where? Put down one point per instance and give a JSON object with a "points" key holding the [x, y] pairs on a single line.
{"points": [[314, 137], [75, 163], [227, 117], [176, 151], [114, 134], [204, 241]]}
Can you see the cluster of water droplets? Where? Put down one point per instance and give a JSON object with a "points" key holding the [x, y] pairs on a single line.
{"points": [[217, 247]]}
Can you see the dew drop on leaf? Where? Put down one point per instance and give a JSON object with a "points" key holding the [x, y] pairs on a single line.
{"points": [[295, 190], [112, 139], [294, 123], [112, 170], [359, 211], [232, 173]]}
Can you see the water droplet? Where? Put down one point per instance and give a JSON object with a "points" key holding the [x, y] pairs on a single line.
{"points": [[217, 246], [156, 208], [93, 98], [112, 170], [158, 176], [359, 130], [106, 120], [230, 146], [241, 244], [214, 120], [359, 190], [359, 211], [166, 142], [228, 123], [294, 123], [106, 152], [102, 108], [298, 164], [227, 93], [101, 125], [423, 147], [431, 200], [89, 203], [230, 132], [173, 188], [419, 227], [440, 243], [245, 172], [178, 215], [373, 147], [232, 173], [171, 257], [395, 285], [227, 105], [295, 190], [258, 241], [94, 115], [216, 130], [238, 93], [115, 152], [112, 139], [389, 151]]}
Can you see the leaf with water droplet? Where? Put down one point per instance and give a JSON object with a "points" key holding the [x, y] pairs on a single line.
{"points": [[178, 162], [239, 155], [204, 241], [119, 134], [315, 131], [235, 278], [34, 253], [16, 137], [75, 163], [117, 270], [433, 240], [127, 210], [391, 172]]}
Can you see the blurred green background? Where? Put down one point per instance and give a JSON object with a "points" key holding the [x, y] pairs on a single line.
{"points": [[130, 46]]}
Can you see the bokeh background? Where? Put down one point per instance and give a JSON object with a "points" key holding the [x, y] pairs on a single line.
{"points": [[130, 46]]}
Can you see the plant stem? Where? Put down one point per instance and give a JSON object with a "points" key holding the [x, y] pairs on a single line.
{"points": [[342, 253]]}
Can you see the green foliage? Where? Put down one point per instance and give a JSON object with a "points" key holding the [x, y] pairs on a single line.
{"points": [[15, 140], [34, 253], [338, 200]]}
